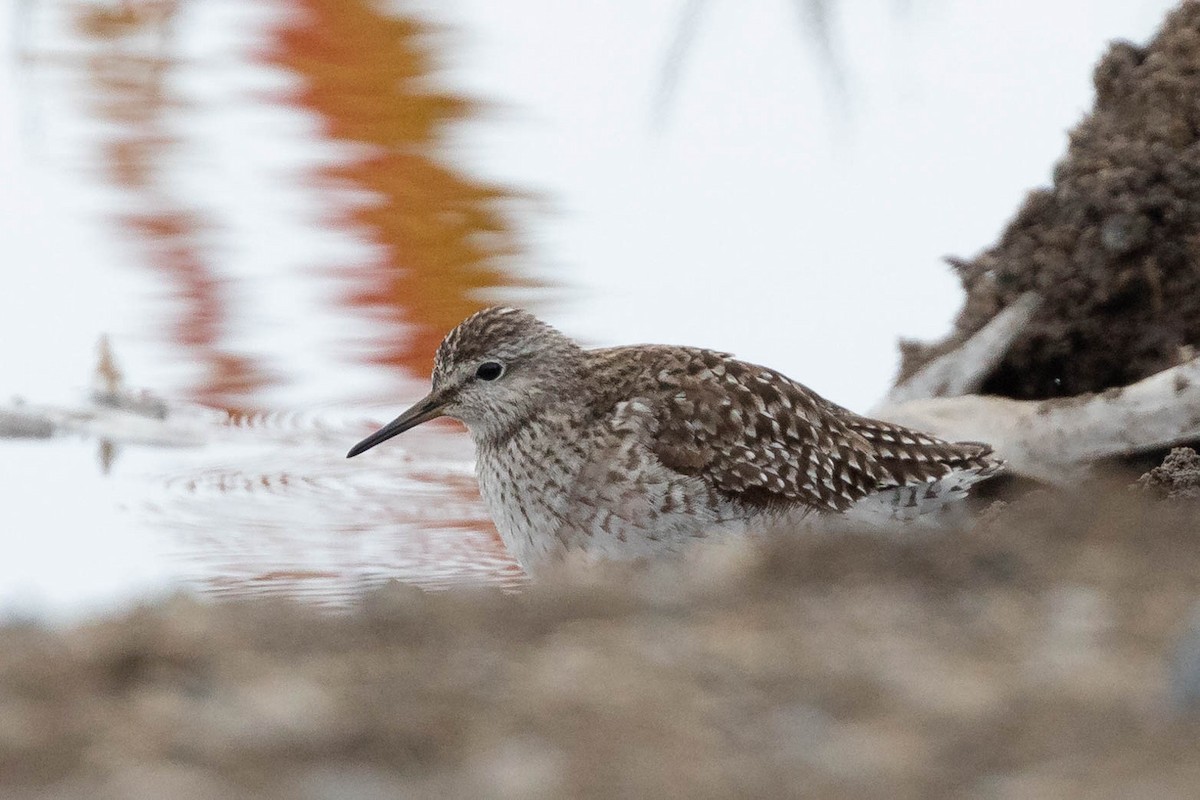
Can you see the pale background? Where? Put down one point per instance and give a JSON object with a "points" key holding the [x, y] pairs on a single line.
{"points": [[734, 219]]}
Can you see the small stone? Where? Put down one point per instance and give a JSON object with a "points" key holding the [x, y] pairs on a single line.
{"points": [[1185, 667]]}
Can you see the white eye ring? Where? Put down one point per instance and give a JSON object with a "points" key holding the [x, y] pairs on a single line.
{"points": [[489, 370]]}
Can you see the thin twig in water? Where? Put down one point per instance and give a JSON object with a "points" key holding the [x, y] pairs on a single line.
{"points": [[668, 76]]}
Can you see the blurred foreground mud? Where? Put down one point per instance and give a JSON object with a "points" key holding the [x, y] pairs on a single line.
{"points": [[1112, 247], [1044, 654]]}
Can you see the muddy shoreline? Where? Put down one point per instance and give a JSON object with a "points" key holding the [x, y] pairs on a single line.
{"points": [[1045, 653]]}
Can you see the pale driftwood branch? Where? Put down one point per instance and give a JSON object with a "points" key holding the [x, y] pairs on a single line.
{"points": [[181, 426], [113, 414], [962, 370], [1057, 440]]}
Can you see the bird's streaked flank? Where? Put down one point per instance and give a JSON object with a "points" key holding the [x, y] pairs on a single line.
{"points": [[630, 451]]}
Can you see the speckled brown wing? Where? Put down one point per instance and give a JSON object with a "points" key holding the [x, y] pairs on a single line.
{"points": [[908, 456], [758, 437], [763, 439]]}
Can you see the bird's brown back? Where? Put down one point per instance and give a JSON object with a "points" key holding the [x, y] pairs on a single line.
{"points": [[760, 438]]}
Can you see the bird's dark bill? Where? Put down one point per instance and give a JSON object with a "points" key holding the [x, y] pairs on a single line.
{"points": [[427, 409]]}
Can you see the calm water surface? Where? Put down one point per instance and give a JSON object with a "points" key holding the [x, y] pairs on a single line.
{"points": [[275, 210], [272, 186]]}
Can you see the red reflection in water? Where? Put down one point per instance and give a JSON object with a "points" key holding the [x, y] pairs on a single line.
{"points": [[442, 234], [442, 237], [131, 62]]}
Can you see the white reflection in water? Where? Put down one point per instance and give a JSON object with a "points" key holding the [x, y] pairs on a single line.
{"points": [[269, 506], [288, 513]]}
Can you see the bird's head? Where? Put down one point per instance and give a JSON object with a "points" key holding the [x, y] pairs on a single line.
{"points": [[492, 372]]}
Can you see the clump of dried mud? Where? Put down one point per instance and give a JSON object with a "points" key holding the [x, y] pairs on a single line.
{"points": [[1178, 477], [1038, 655], [1113, 247]]}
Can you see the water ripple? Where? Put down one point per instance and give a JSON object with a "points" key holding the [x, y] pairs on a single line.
{"points": [[280, 510]]}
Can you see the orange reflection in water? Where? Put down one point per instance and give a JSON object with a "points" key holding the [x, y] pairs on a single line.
{"points": [[442, 234], [441, 237], [129, 64]]}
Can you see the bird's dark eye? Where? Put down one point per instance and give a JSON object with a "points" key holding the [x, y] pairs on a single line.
{"points": [[489, 370]]}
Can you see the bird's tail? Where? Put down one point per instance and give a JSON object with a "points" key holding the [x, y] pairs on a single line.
{"points": [[927, 502]]}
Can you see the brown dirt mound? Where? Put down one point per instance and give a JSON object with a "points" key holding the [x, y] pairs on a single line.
{"points": [[1113, 247], [1045, 654]]}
